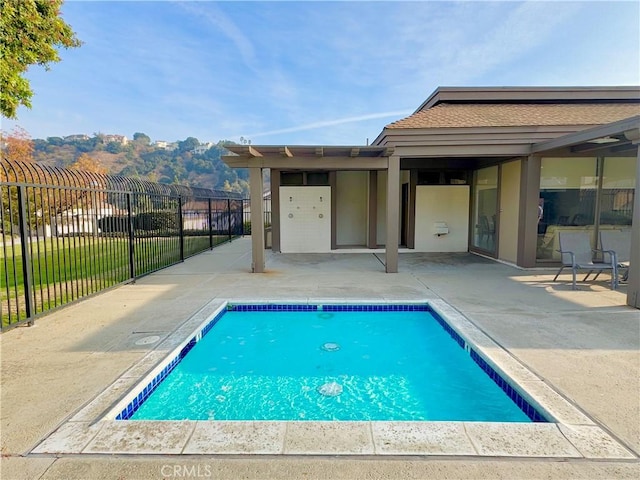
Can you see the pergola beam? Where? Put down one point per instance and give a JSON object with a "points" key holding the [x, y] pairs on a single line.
{"points": [[251, 151], [308, 163], [285, 152]]}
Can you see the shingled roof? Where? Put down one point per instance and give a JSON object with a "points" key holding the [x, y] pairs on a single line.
{"points": [[446, 115]]}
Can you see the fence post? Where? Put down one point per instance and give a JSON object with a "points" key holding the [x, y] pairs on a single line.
{"points": [[181, 228], [24, 246], [229, 218], [210, 226], [132, 265]]}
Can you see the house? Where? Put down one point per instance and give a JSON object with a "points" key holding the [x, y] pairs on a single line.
{"points": [[497, 171], [76, 137], [164, 145], [121, 139], [200, 149]]}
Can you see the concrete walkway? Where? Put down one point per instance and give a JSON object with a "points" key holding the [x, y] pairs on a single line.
{"points": [[584, 343]]}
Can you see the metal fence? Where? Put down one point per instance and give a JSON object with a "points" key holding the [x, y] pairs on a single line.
{"points": [[67, 234]]}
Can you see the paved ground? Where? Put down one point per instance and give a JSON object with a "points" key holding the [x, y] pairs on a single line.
{"points": [[585, 343]]}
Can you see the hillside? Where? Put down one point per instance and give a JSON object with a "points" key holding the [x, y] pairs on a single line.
{"points": [[185, 162]]}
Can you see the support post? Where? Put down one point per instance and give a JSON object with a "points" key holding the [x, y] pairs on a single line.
{"points": [[411, 221], [275, 210], [393, 213], [633, 286], [25, 242], [228, 219], [528, 212], [181, 228], [130, 230], [210, 222], [257, 220]]}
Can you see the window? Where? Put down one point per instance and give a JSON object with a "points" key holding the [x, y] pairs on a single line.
{"points": [[485, 208], [570, 198], [297, 179]]}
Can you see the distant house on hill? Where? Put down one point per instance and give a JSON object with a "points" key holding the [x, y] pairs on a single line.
{"points": [[121, 139], [76, 137], [200, 149], [170, 146]]}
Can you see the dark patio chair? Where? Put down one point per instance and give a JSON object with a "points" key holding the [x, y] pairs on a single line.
{"points": [[577, 253]]}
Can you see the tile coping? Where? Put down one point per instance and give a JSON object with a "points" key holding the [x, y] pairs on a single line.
{"points": [[570, 433]]}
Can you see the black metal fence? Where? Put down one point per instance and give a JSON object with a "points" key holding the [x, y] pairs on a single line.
{"points": [[67, 233], [266, 208]]}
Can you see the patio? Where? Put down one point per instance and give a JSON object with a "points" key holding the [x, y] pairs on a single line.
{"points": [[584, 343]]}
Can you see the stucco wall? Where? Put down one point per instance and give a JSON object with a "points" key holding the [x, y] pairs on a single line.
{"points": [[352, 190], [442, 203], [381, 233], [509, 212]]}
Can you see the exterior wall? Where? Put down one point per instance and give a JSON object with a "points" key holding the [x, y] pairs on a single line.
{"points": [[382, 208], [305, 219], [442, 203], [509, 212], [352, 190]]}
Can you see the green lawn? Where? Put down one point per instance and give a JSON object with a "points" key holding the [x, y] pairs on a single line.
{"points": [[65, 269]]}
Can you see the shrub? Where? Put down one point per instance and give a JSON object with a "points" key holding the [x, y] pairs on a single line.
{"points": [[114, 224], [156, 221]]}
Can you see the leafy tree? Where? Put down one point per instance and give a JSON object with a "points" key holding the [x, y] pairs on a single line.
{"points": [[18, 145], [57, 141], [31, 31], [141, 138], [188, 144], [88, 164], [113, 147]]}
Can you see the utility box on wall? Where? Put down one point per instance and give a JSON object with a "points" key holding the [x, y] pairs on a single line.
{"points": [[305, 219]]}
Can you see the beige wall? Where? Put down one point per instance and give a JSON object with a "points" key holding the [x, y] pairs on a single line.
{"points": [[352, 191], [305, 219], [382, 208], [442, 203], [509, 211]]}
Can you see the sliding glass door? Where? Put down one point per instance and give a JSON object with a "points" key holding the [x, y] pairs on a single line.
{"points": [[485, 209]]}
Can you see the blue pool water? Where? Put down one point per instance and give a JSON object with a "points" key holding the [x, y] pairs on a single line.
{"points": [[328, 365]]}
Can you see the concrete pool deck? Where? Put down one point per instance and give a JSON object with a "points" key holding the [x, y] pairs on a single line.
{"points": [[584, 344]]}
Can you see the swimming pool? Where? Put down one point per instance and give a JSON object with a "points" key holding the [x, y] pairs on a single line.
{"points": [[568, 433], [328, 362]]}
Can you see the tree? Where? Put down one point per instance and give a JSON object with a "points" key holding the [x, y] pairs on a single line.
{"points": [[188, 144], [88, 164], [17, 145], [31, 31], [141, 138]]}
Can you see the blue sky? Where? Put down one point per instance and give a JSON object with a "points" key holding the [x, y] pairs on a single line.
{"points": [[311, 72]]}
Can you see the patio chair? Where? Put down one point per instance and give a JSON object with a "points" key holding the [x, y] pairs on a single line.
{"points": [[618, 242], [576, 251]]}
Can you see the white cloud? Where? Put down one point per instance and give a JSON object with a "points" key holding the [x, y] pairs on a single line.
{"points": [[214, 16], [330, 123]]}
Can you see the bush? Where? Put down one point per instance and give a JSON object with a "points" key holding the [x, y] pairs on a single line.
{"points": [[157, 221], [246, 228], [114, 224]]}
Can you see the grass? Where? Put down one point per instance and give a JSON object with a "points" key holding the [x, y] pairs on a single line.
{"points": [[67, 268]]}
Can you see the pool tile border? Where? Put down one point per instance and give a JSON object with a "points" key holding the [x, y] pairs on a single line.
{"points": [[571, 435]]}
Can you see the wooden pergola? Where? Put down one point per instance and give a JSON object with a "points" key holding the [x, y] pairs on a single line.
{"points": [[317, 157]]}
